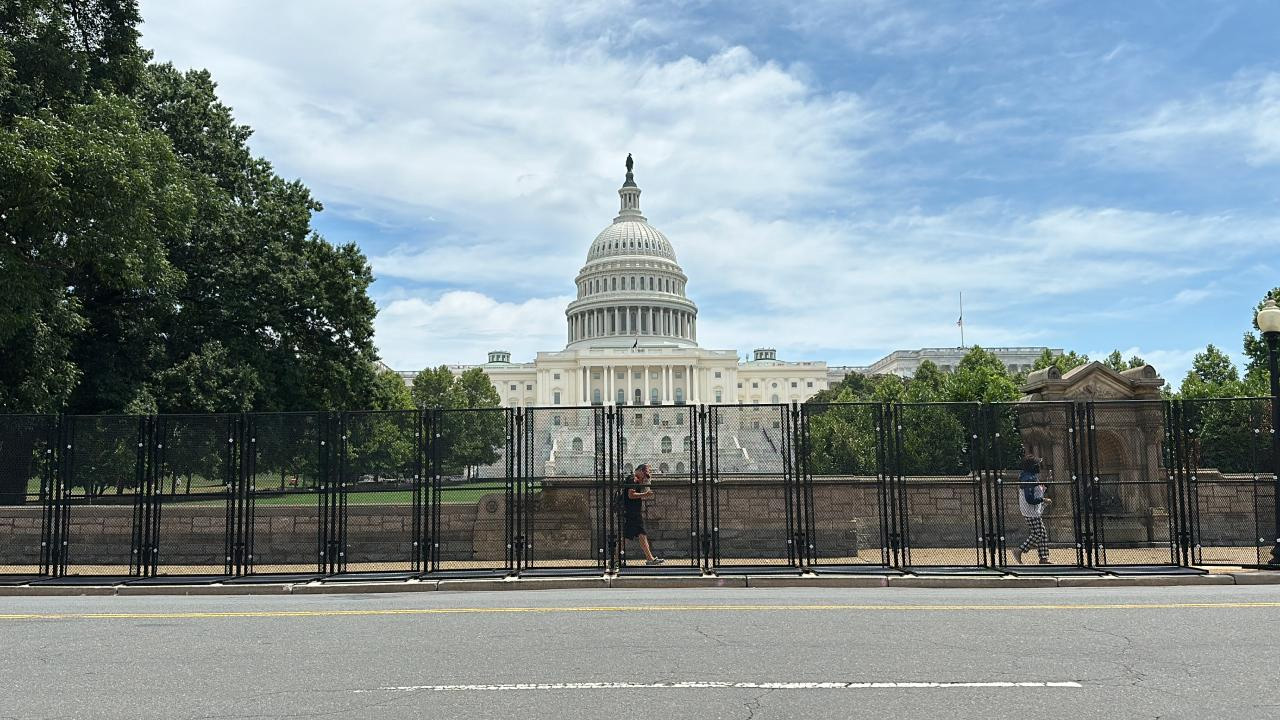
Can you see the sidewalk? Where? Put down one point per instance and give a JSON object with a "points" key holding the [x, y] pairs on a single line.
{"points": [[1214, 576]]}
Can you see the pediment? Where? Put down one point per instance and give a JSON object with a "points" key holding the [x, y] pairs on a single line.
{"points": [[1094, 381]]}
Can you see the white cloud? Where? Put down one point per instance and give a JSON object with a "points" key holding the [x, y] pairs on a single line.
{"points": [[1240, 119], [462, 326], [500, 132]]}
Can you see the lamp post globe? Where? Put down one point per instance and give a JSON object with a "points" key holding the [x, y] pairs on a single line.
{"points": [[1269, 323]]}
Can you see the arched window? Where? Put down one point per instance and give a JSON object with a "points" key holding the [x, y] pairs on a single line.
{"points": [[614, 284], [639, 395], [666, 444], [775, 399], [679, 396], [555, 420], [621, 397], [577, 444], [653, 396], [685, 443], [679, 467], [595, 396], [663, 468]]}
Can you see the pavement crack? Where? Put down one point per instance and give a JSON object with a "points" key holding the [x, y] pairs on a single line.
{"points": [[753, 705], [719, 641]]}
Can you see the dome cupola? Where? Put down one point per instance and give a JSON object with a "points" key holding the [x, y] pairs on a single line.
{"points": [[631, 292]]}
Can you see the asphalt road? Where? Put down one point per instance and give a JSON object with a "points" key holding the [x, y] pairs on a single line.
{"points": [[1207, 652]]}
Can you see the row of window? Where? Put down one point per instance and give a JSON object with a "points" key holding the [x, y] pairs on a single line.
{"points": [[641, 244], [794, 384], [576, 444], [638, 282]]}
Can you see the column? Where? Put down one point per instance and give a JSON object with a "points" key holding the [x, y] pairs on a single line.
{"points": [[645, 396], [607, 384]]}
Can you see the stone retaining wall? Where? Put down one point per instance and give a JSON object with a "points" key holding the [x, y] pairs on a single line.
{"points": [[752, 524]]}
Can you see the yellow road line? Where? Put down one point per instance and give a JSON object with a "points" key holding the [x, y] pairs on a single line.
{"points": [[622, 609]]}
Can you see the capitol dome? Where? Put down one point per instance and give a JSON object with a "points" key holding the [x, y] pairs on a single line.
{"points": [[631, 292]]}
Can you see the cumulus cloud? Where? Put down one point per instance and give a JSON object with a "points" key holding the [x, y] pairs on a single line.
{"points": [[462, 326], [491, 139]]}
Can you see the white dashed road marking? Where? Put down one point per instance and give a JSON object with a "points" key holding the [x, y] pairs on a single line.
{"points": [[709, 685]]}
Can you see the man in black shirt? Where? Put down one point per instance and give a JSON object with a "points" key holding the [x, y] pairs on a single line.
{"points": [[635, 491]]}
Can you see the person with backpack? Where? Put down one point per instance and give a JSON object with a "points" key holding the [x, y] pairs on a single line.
{"points": [[1032, 502], [635, 492]]}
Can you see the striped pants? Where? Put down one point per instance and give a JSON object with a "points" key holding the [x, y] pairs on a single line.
{"points": [[1037, 535]]}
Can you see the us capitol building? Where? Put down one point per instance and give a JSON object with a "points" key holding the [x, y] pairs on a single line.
{"points": [[633, 338]]}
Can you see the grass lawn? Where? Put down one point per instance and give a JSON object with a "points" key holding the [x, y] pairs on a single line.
{"points": [[461, 493], [202, 496]]}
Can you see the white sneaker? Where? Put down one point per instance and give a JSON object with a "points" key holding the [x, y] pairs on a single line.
{"points": [[655, 561]]}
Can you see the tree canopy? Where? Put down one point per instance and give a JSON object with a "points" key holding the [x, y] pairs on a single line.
{"points": [[151, 262]]}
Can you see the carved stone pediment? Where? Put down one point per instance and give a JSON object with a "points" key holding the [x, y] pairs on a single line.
{"points": [[1093, 381]]}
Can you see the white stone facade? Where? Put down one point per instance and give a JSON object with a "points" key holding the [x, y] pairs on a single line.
{"points": [[632, 338]]}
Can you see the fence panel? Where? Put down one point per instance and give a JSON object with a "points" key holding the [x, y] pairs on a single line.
{"points": [[1045, 430], [1132, 482], [848, 516], [381, 468], [195, 482], [473, 491], [562, 489], [27, 453], [100, 518], [939, 488], [755, 498], [664, 437], [288, 486], [1229, 444]]}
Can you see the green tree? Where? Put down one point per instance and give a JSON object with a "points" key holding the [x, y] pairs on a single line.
{"points": [[1257, 382], [1116, 362], [928, 384], [474, 429], [1062, 362], [82, 245], [148, 247], [981, 376], [1212, 375], [431, 387], [62, 52], [390, 392]]}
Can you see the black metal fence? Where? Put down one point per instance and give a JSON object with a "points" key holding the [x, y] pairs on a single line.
{"points": [[926, 487]]}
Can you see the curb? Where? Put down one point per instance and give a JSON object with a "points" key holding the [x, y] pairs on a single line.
{"points": [[340, 588], [265, 589], [818, 581], [1146, 581], [1005, 581], [657, 582]]}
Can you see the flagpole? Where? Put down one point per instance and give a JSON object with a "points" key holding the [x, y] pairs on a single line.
{"points": [[960, 322]]}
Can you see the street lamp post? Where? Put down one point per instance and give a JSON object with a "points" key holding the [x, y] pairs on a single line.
{"points": [[1269, 324]]}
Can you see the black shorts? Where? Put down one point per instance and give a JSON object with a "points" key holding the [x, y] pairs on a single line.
{"points": [[632, 527]]}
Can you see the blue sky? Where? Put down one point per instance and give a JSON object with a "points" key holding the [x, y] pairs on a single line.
{"points": [[832, 175]]}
